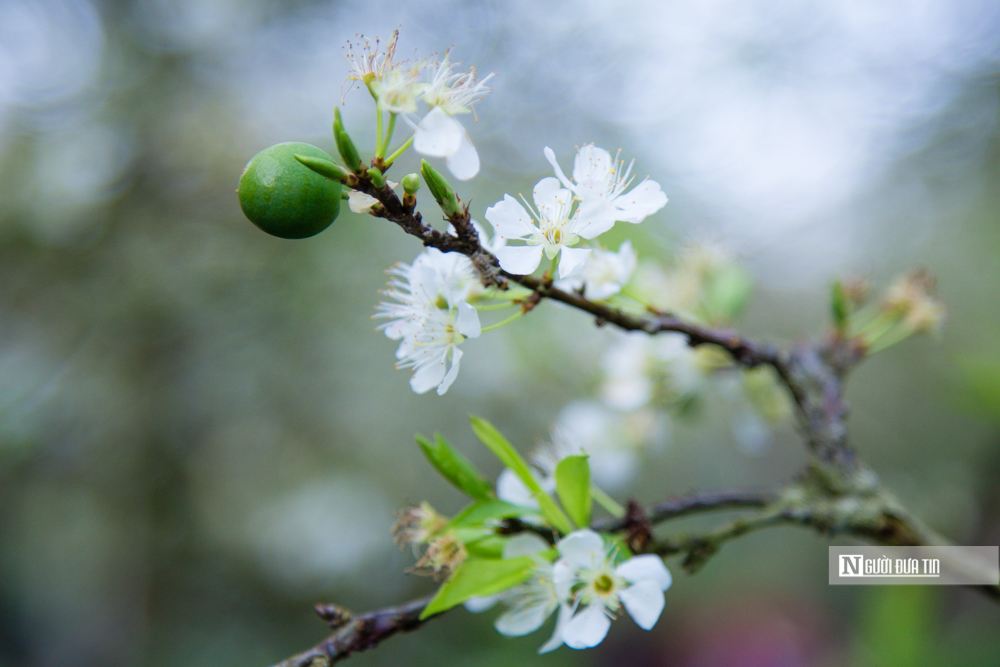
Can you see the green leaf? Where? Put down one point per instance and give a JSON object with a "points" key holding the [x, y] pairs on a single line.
{"points": [[485, 510], [442, 191], [345, 146], [323, 167], [491, 437], [455, 468], [490, 546], [573, 487], [840, 306], [479, 577]]}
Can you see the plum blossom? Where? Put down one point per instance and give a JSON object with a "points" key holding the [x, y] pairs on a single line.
{"points": [[586, 574], [606, 273], [550, 229], [599, 180], [395, 86], [439, 134], [430, 317]]}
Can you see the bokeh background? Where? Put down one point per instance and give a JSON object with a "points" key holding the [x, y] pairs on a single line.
{"points": [[201, 434]]}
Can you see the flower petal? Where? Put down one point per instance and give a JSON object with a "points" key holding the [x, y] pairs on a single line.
{"points": [[519, 260], [549, 194], [467, 321], [588, 628], [464, 162], [573, 261], [593, 218], [509, 219], [456, 354], [521, 620], [511, 489], [591, 165], [555, 641], [438, 134], [645, 567], [643, 200], [480, 604], [430, 374], [524, 544], [582, 548], [551, 157], [643, 602]]}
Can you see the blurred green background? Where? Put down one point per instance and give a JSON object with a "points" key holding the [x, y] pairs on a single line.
{"points": [[201, 434]]}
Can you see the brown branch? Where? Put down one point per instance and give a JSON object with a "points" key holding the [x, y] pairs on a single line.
{"points": [[712, 501], [361, 633]]}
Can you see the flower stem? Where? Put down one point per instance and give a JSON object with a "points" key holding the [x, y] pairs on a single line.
{"points": [[606, 501], [399, 151], [504, 322], [388, 135], [379, 148]]}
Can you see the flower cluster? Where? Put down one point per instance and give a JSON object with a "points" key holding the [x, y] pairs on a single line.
{"points": [[397, 86], [588, 588], [568, 210], [430, 315]]}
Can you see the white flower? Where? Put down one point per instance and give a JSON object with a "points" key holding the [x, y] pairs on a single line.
{"points": [[359, 202], [586, 574], [606, 273], [598, 179], [439, 134], [430, 317], [554, 227], [394, 85]]}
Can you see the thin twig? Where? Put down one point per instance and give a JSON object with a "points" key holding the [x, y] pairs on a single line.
{"points": [[361, 633]]}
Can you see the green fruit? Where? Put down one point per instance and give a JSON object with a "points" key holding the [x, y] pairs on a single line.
{"points": [[283, 197]]}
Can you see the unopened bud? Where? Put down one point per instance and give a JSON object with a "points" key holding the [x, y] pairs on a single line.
{"points": [[443, 193], [345, 146], [411, 183]]}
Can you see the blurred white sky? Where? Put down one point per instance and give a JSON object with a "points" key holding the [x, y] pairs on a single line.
{"points": [[772, 120]]}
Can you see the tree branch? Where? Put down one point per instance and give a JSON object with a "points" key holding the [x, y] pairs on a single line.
{"points": [[361, 633]]}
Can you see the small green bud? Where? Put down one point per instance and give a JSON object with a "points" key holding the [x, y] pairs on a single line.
{"points": [[345, 146], [324, 168], [411, 183], [283, 197], [378, 180], [441, 189]]}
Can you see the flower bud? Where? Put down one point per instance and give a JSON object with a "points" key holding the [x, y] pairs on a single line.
{"points": [[345, 146], [378, 180], [441, 189], [411, 183]]}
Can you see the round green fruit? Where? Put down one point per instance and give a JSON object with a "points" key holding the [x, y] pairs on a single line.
{"points": [[283, 197]]}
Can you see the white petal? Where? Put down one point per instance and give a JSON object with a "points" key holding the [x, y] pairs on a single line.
{"points": [[588, 628], [429, 375], [563, 577], [524, 544], [456, 354], [550, 194], [438, 134], [509, 219], [521, 620], [551, 157], [565, 613], [519, 260], [643, 602], [467, 321], [573, 261], [478, 605], [582, 548], [591, 164], [645, 568], [464, 162], [643, 200], [511, 489], [593, 218]]}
